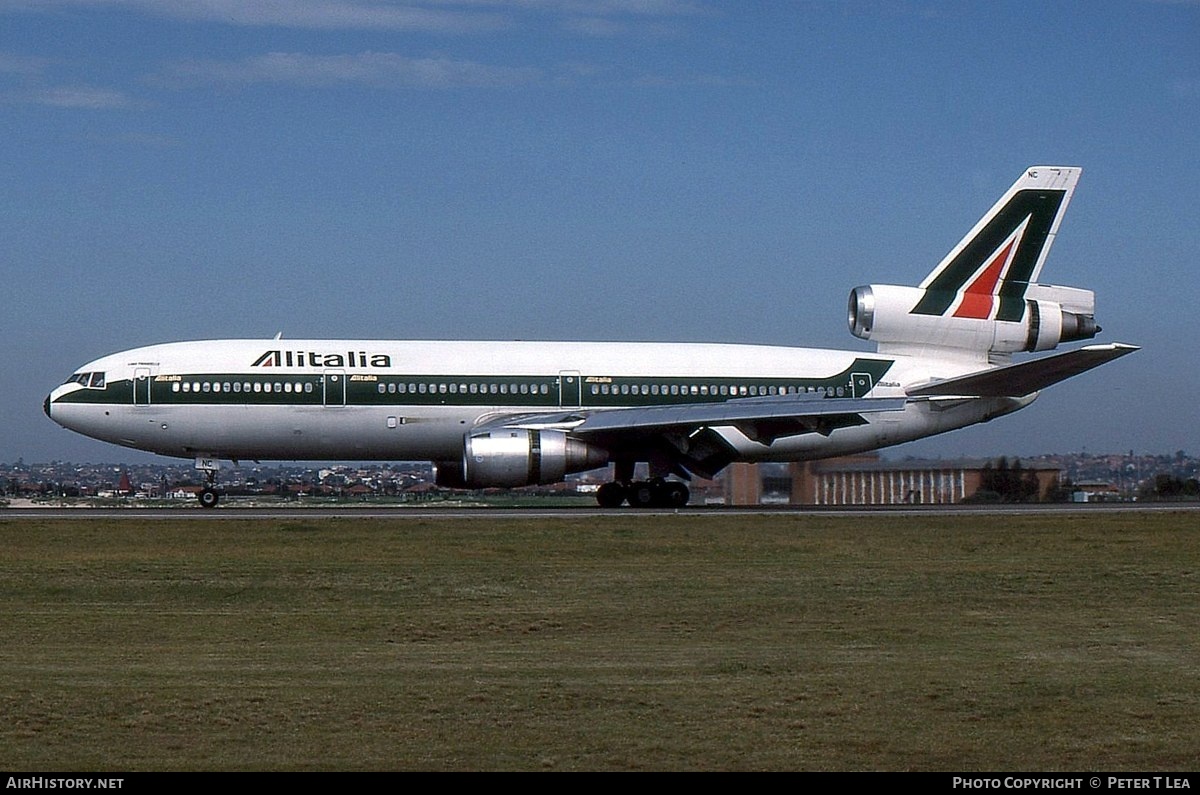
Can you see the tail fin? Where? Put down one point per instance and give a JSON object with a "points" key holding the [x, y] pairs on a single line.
{"points": [[985, 276], [983, 298]]}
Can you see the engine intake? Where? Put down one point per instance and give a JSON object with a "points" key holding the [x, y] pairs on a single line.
{"points": [[518, 457], [886, 314]]}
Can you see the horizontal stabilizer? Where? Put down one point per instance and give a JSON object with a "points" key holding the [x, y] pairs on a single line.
{"points": [[1018, 380]]}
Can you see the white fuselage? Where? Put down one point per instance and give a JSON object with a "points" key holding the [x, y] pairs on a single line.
{"points": [[389, 400]]}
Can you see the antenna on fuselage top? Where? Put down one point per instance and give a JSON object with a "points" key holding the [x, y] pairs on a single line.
{"points": [[278, 335]]}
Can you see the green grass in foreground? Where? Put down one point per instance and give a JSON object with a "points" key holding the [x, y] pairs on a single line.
{"points": [[622, 642]]}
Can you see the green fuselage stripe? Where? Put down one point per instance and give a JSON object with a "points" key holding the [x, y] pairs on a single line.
{"points": [[537, 391]]}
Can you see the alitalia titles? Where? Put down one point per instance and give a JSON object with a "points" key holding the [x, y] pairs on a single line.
{"points": [[280, 358]]}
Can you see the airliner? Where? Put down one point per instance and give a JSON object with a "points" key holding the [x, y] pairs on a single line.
{"points": [[511, 414]]}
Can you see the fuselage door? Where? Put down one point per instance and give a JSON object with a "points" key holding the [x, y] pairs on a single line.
{"points": [[141, 386], [335, 387], [860, 384], [570, 389]]}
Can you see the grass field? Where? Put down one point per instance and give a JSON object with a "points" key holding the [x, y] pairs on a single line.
{"points": [[1043, 642]]}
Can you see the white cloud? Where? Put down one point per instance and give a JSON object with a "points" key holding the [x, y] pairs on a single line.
{"points": [[22, 64], [595, 26], [387, 70], [311, 14], [440, 16], [79, 97]]}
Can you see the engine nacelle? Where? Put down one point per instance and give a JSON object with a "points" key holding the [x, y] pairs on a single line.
{"points": [[889, 315], [518, 457]]}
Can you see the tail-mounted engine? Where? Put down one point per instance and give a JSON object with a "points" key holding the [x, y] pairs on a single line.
{"points": [[896, 316], [509, 457]]}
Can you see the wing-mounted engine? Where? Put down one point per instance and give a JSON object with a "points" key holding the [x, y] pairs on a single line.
{"points": [[899, 317], [510, 457]]}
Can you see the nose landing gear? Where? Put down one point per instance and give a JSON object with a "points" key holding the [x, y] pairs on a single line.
{"points": [[208, 496]]}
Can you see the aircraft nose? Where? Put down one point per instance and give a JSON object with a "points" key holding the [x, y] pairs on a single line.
{"points": [[46, 406]]}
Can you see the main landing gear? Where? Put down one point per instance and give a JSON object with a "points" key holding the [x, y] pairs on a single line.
{"points": [[655, 493]]}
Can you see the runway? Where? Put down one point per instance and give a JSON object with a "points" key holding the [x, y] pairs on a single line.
{"points": [[425, 513]]}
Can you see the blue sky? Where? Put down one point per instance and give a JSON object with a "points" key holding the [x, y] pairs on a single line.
{"points": [[546, 169]]}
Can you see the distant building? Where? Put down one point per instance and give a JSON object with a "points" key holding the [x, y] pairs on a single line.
{"points": [[869, 480], [743, 484], [1095, 491]]}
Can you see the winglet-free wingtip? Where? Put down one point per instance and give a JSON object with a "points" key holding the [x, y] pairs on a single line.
{"points": [[1123, 347]]}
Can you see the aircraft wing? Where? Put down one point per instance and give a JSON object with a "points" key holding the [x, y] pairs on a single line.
{"points": [[1024, 378], [763, 419], [806, 413]]}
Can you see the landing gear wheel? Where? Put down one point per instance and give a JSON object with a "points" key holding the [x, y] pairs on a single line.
{"points": [[208, 497], [643, 494], [610, 495], [675, 494]]}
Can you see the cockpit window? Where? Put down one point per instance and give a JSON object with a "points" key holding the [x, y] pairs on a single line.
{"points": [[91, 380]]}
